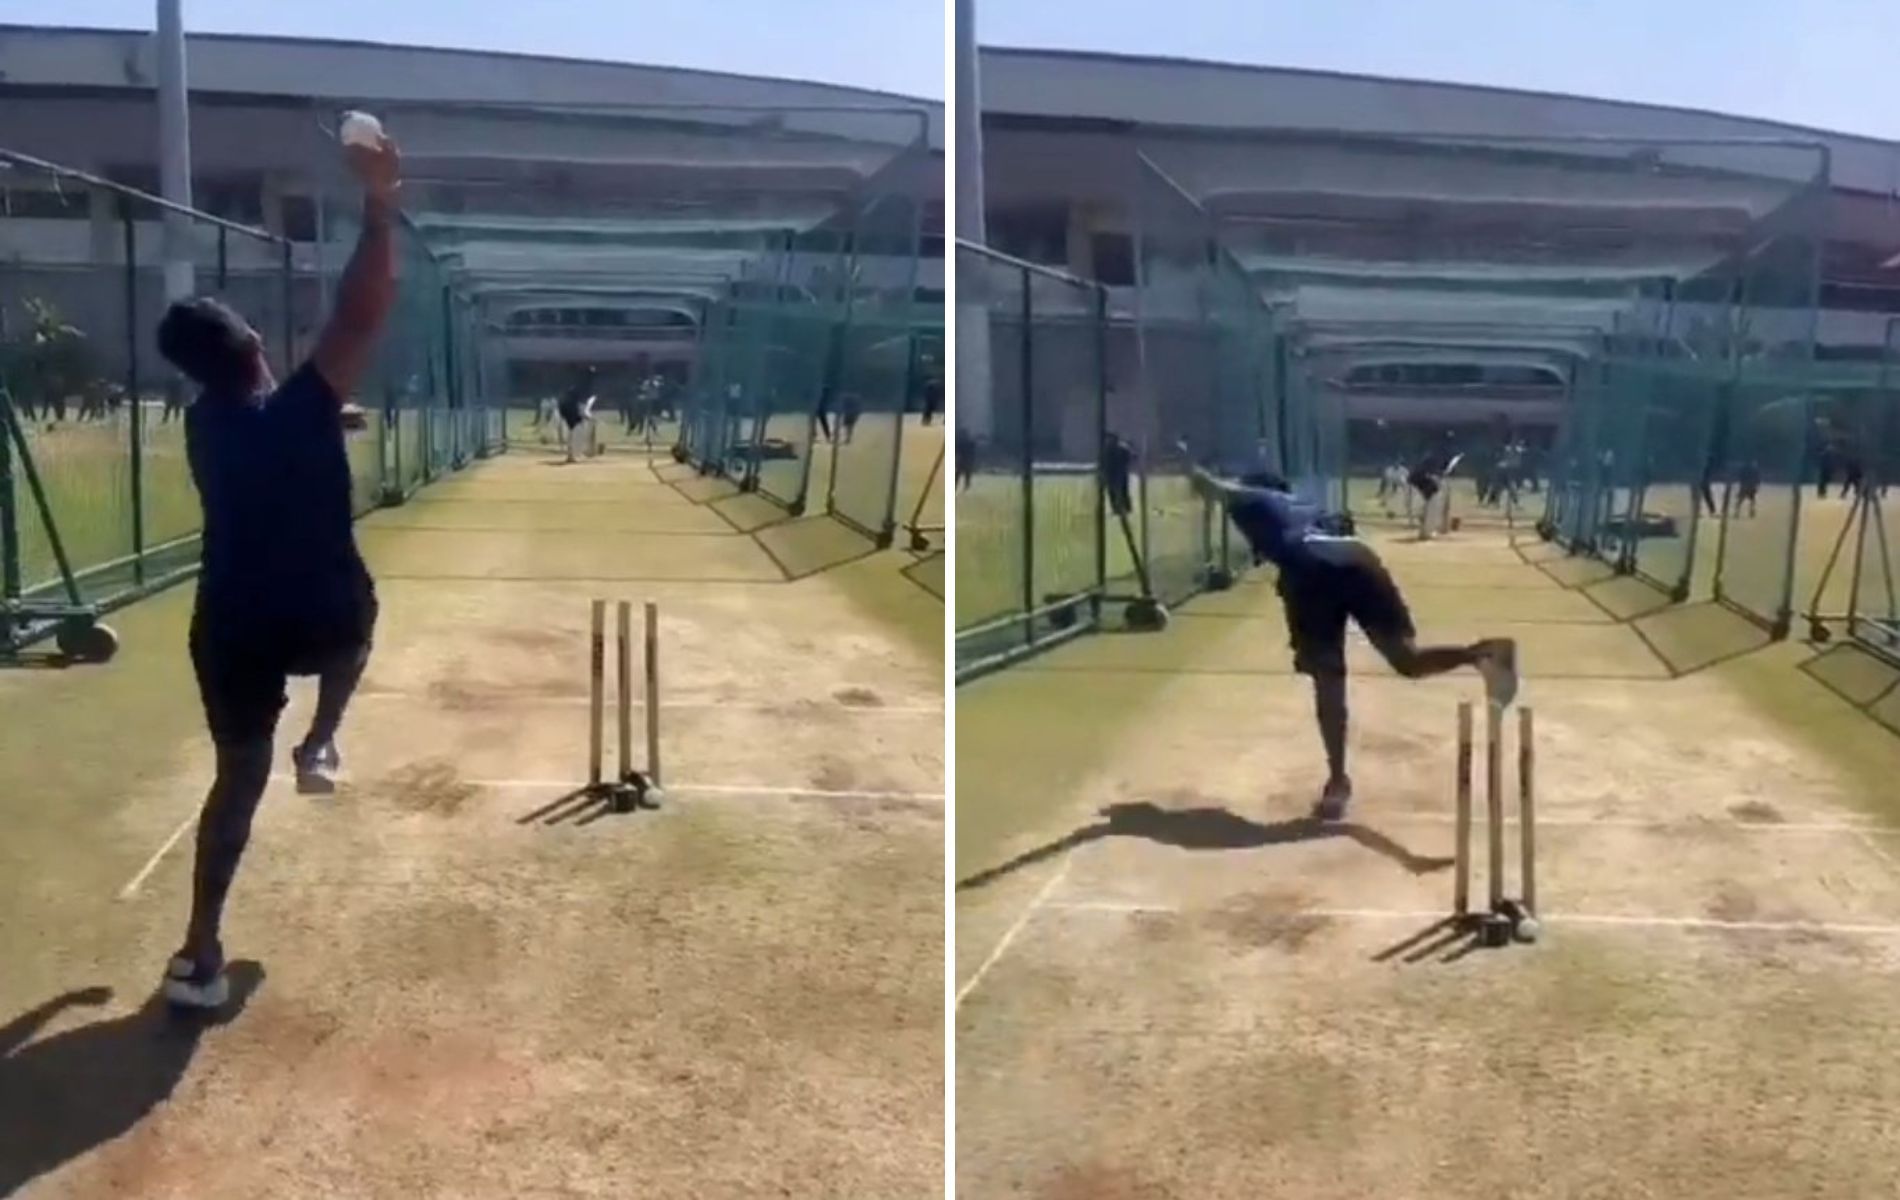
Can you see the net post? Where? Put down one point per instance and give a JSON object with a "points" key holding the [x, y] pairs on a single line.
{"points": [[1026, 367], [135, 417]]}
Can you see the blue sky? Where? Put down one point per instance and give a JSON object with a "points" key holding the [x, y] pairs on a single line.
{"points": [[1824, 63], [890, 45]]}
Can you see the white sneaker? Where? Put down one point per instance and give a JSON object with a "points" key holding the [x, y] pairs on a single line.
{"points": [[1497, 662], [317, 768], [1333, 800], [186, 986]]}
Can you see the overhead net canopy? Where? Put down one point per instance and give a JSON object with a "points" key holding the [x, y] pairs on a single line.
{"points": [[700, 260], [1637, 315]]}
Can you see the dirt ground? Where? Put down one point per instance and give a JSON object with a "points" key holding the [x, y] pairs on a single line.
{"points": [[1170, 984], [445, 996]]}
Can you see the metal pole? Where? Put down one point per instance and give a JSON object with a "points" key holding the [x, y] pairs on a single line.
{"points": [[174, 147], [972, 410], [1101, 436], [971, 224], [9, 505], [132, 395], [1027, 433]]}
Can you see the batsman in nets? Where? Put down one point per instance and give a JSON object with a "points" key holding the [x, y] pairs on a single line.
{"points": [[1325, 579]]}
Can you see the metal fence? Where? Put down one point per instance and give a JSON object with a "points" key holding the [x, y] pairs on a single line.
{"points": [[97, 505]]}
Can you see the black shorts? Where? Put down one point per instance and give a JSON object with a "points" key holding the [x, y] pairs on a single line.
{"points": [[1335, 581], [1426, 485], [244, 665]]}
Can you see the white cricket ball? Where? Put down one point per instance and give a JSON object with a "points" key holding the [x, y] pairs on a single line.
{"points": [[653, 797], [360, 129], [1528, 929]]}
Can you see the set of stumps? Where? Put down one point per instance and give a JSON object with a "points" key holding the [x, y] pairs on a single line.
{"points": [[630, 788], [1506, 919]]}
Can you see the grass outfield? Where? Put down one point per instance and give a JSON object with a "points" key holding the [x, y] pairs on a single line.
{"points": [[86, 469]]}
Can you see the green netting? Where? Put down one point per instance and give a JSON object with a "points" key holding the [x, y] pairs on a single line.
{"points": [[1772, 414], [797, 352], [1873, 424], [1207, 378], [1687, 472], [995, 517], [877, 360], [732, 279], [1034, 554], [1519, 302]]}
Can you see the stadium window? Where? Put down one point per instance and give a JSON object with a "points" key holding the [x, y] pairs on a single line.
{"points": [[235, 198], [64, 204], [1037, 233], [1114, 258], [300, 218]]}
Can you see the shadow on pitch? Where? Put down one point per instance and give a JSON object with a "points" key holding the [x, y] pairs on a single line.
{"points": [[1208, 828], [65, 1095], [1447, 940], [582, 806], [927, 573]]}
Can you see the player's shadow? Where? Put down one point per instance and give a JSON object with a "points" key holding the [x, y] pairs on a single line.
{"points": [[70, 1093], [1208, 828]]}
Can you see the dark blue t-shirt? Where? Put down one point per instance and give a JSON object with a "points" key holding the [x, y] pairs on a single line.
{"points": [[1277, 525], [274, 478]]}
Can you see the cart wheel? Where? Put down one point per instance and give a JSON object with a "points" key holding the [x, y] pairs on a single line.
{"points": [[87, 641], [1146, 616], [1819, 632], [919, 543]]}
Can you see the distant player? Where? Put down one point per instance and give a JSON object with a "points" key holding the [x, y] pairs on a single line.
{"points": [[1748, 486], [547, 416], [1326, 580], [647, 408], [966, 459], [1427, 478], [1705, 489], [1828, 465], [853, 410], [933, 400], [577, 414], [826, 403], [283, 590], [1118, 468], [1510, 474]]}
